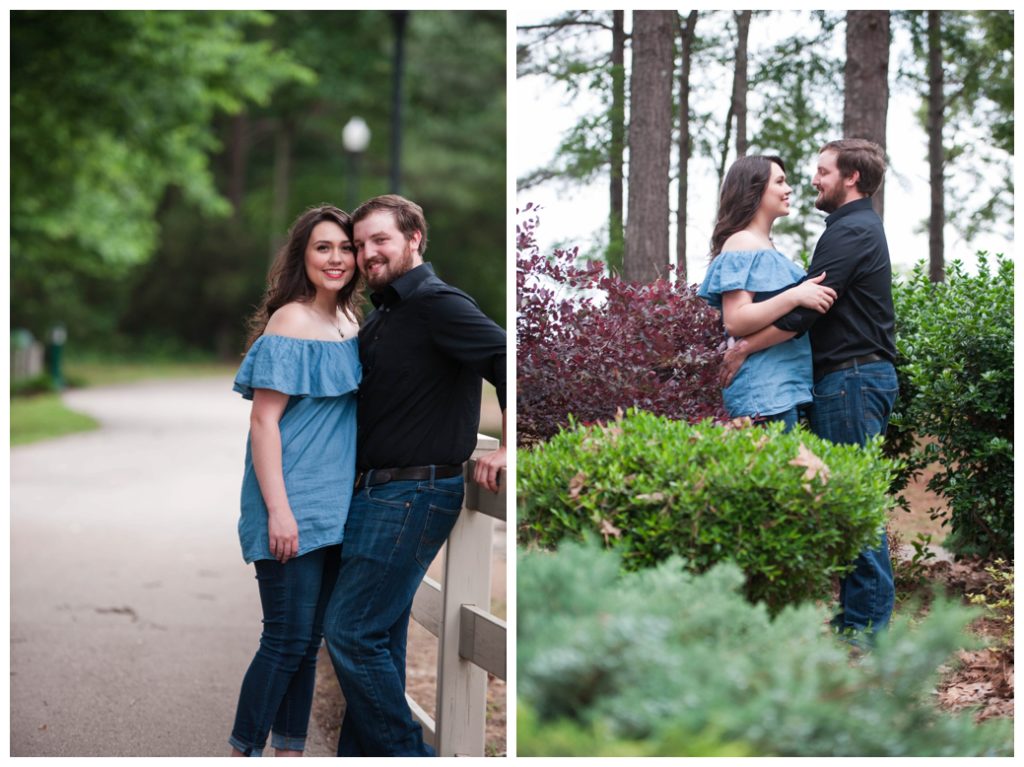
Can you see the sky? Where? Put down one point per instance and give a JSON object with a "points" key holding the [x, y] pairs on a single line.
{"points": [[576, 215]]}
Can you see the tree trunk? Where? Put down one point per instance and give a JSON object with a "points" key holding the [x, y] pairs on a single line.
{"points": [[738, 102], [739, 83], [650, 145], [239, 158], [618, 143], [866, 81], [726, 140], [686, 32], [936, 152]]}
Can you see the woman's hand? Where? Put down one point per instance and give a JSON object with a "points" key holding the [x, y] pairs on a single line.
{"points": [[811, 294], [735, 355], [283, 533]]}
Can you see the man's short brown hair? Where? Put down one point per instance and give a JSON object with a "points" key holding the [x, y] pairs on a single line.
{"points": [[408, 215], [865, 157]]}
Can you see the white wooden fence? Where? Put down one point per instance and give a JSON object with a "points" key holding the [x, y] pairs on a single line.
{"points": [[456, 611], [26, 356]]}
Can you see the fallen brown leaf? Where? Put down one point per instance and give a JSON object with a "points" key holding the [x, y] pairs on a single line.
{"points": [[814, 466], [608, 530], [576, 485]]}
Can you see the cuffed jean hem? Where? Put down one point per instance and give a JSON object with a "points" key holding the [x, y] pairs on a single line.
{"points": [[244, 747], [287, 742], [861, 639]]}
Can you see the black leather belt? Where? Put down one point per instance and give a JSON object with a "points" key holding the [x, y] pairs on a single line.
{"points": [[374, 477], [819, 374]]}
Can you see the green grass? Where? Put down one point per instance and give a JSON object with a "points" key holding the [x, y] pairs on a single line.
{"points": [[44, 417]]}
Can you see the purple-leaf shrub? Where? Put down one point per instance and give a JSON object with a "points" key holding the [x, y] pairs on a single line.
{"points": [[589, 344]]}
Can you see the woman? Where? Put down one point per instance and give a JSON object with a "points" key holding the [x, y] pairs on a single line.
{"points": [[301, 372], [752, 284]]}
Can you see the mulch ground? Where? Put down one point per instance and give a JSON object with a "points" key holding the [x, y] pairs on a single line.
{"points": [[982, 679], [978, 679]]}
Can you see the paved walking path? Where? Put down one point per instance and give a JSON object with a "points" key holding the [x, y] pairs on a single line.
{"points": [[133, 616]]}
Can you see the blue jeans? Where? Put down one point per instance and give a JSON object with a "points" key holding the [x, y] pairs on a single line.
{"points": [[851, 406], [393, 533], [278, 687]]}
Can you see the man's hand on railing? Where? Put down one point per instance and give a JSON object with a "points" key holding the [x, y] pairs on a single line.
{"points": [[488, 468]]}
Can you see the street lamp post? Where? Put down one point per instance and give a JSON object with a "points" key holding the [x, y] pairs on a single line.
{"points": [[355, 137], [398, 20]]}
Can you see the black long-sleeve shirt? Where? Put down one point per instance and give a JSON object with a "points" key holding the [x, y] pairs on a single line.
{"points": [[854, 253], [424, 350]]}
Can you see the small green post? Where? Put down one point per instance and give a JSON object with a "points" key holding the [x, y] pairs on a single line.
{"points": [[58, 337]]}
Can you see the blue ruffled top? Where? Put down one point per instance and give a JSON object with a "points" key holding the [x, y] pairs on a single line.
{"points": [[775, 379], [318, 437]]}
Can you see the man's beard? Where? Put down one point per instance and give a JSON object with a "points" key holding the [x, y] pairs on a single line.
{"points": [[829, 201], [392, 271]]}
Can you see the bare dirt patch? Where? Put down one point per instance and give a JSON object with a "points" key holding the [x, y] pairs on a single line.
{"points": [[919, 519]]}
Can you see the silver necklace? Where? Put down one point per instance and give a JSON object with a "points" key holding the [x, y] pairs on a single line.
{"points": [[337, 327]]}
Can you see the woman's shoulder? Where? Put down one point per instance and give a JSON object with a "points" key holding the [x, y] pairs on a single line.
{"points": [[745, 241], [295, 320]]}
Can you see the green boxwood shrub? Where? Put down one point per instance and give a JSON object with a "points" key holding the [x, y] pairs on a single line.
{"points": [[791, 509], [955, 366], [665, 662]]}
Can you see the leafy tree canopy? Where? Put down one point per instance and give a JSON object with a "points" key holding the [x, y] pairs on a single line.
{"points": [[110, 109]]}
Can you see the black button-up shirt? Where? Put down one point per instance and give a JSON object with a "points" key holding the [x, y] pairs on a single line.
{"points": [[854, 253], [424, 350]]}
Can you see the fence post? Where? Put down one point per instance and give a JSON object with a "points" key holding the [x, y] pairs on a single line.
{"points": [[461, 685], [26, 355]]}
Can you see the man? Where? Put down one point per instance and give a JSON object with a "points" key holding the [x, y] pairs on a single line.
{"points": [[853, 345], [424, 350]]}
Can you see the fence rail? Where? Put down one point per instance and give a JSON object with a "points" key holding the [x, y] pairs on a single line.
{"points": [[472, 641]]}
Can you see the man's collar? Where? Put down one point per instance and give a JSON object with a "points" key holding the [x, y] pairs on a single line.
{"points": [[402, 287], [850, 207]]}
